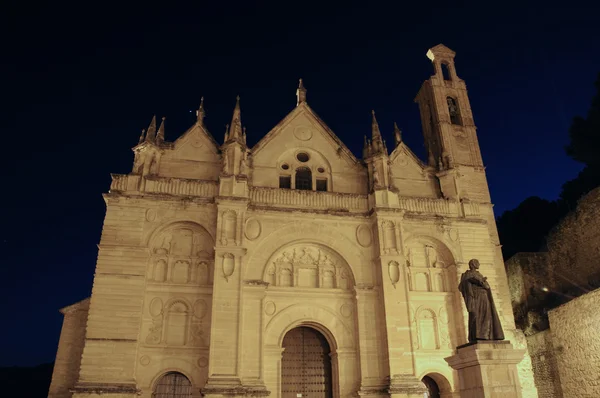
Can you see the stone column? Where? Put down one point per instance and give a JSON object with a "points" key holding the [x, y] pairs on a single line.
{"points": [[223, 365], [487, 369]]}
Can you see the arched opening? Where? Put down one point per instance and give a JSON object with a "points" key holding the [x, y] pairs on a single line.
{"points": [[437, 386], [173, 385], [306, 364], [454, 111], [304, 178], [433, 390], [446, 71]]}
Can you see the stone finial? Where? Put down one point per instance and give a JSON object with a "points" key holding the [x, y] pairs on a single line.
{"points": [[235, 128], [226, 133], [142, 136], [397, 134], [300, 93], [160, 136], [200, 113], [151, 132], [378, 146]]}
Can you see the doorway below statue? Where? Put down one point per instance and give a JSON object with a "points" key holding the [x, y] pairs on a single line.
{"points": [[306, 365]]}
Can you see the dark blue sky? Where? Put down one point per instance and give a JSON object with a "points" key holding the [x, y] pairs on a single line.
{"points": [[79, 83]]}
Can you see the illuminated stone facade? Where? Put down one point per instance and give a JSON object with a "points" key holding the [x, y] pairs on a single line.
{"points": [[210, 254]]}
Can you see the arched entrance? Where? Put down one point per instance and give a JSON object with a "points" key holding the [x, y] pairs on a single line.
{"points": [[306, 365], [433, 390]]}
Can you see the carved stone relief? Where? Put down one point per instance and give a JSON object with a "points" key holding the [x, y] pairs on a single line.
{"points": [[303, 133], [253, 229], [145, 360], [270, 308], [228, 266], [394, 272], [182, 254], [177, 323], [308, 265], [389, 237], [363, 235], [229, 228], [428, 264]]}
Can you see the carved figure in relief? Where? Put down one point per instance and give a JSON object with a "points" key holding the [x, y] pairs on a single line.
{"points": [[376, 182], [155, 332], [165, 246], [484, 323]]}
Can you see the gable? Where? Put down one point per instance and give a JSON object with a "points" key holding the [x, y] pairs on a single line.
{"points": [[410, 175], [302, 128], [196, 144], [405, 164]]}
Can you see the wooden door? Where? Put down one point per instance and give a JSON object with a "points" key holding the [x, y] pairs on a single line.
{"points": [[306, 365]]}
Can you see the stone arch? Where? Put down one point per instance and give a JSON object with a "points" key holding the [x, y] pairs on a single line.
{"points": [[316, 233], [175, 301], [163, 372], [338, 334], [442, 379], [172, 224], [442, 244]]}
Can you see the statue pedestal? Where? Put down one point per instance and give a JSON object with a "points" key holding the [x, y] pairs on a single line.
{"points": [[487, 369]]}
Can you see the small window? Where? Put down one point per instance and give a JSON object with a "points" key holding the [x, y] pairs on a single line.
{"points": [[302, 157], [304, 179], [322, 184], [285, 166], [321, 170], [285, 182]]}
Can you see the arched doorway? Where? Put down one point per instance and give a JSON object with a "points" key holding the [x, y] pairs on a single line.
{"points": [[306, 365], [173, 385], [433, 390]]}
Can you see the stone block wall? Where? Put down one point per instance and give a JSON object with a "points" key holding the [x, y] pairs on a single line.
{"points": [[574, 327], [545, 367], [70, 348]]}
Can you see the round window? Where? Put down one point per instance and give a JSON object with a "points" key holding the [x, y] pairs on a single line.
{"points": [[285, 166], [321, 170], [302, 157]]}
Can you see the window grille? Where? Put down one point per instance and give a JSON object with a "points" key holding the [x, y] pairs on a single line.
{"points": [[173, 385]]}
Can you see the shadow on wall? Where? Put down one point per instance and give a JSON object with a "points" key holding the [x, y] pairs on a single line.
{"points": [[26, 382]]}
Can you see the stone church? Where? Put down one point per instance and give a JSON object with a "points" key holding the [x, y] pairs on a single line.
{"points": [[290, 268]]}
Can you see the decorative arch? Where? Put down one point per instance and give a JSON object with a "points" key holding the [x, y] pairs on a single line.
{"points": [[308, 264], [179, 252], [338, 334], [318, 234], [171, 224], [431, 264], [317, 165]]}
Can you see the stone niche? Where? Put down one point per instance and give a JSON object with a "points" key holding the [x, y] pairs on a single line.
{"points": [[181, 254], [308, 265]]}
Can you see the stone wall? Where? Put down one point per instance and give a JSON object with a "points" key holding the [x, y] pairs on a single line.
{"points": [[576, 341], [70, 348], [545, 369]]}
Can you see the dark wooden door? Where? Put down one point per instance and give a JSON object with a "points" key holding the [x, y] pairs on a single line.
{"points": [[306, 365]]}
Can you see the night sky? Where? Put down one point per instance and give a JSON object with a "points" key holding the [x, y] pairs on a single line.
{"points": [[79, 82]]}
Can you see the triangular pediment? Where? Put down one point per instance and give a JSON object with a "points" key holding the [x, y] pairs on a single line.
{"points": [[195, 144], [302, 127], [405, 164]]}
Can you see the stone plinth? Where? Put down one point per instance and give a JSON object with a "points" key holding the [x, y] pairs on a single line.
{"points": [[487, 369]]}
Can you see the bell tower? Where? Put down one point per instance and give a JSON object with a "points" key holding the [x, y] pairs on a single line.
{"points": [[449, 130]]}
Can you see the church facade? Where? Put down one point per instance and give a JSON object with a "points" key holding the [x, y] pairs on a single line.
{"points": [[290, 268]]}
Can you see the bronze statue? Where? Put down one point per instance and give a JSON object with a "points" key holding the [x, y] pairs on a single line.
{"points": [[484, 323]]}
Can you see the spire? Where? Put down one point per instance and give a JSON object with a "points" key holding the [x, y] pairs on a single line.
{"points": [[226, 133], [151, 132], [366, 151], [235, 129], [160, 136], [200, 114], [377, 142], [142, 136], [397, 134], [300, 93]]}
